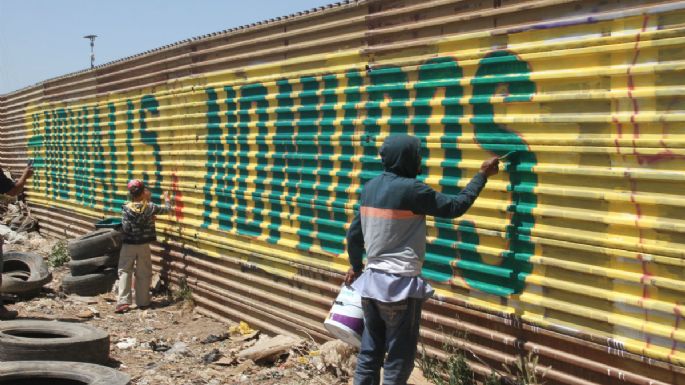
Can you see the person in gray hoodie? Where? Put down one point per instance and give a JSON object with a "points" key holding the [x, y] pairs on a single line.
{"points": [[138, 227], [391, 228]]}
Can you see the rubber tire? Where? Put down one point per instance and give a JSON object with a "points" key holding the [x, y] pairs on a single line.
{"points": [[91, 265], [95, 244], [83, 343], [45, 372], [39, 275], [23, 275], [93, 284]]}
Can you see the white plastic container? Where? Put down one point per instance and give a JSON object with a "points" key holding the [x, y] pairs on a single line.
{"points": [[346, 318]]}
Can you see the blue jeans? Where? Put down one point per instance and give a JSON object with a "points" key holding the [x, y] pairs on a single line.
{"points": [[391, 328]]}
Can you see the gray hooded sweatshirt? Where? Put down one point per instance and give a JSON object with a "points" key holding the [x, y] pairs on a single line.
{"points": [[391, 224]]}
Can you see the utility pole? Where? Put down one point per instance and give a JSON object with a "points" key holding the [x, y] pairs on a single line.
{"points": [[92, 49]]}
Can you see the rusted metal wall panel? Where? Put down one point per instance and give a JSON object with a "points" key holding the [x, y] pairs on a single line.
{"points": [[265, 135]]}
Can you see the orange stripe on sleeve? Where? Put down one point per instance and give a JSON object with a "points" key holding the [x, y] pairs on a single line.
{"points": [[387, 213]]}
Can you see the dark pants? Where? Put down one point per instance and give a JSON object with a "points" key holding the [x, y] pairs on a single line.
{"points": [[391, 328]]}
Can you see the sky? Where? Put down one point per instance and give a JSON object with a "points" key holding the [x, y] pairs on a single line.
{"points": [[41, 39]]}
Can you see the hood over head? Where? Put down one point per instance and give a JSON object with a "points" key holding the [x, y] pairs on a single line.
{"points": [[401, 155]]}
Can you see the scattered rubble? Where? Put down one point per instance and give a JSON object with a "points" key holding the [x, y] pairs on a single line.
{"points": [[179, 349], [24, 240], [212, 338], [211, 357], [161, 346], [88, 313], [339, 357], [170, 343], [269, 349], [17, 227], [126, 343], [12, 237]]}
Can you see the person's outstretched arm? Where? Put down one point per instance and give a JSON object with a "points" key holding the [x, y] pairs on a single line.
{"points": [[159, 209], [430, 202], [15, 188]]}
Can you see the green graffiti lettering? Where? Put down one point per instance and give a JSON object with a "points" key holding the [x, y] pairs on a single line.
{"points": [[387, 85], [62, 187], [251, 96], [99, 161], [150, 105], [129, 139], [501, 72], [441, 74], [215, 157], [111, 202]]}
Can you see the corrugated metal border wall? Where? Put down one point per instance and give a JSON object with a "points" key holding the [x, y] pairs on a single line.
{"points": [[264, 133]]}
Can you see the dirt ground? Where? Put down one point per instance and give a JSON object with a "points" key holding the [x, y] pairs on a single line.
{"points": [[171, 343], [165, 344]]}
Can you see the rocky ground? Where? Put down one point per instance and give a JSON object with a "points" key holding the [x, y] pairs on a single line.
{"points": [[170, 343]]}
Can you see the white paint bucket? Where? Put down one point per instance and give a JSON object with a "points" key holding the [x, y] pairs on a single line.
{"points": [[346, 318]]}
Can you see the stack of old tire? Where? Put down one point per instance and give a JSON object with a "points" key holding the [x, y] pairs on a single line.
{"points": [[50, 352], [93, 265]]}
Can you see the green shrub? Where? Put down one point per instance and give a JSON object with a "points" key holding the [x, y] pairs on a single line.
{"points": [[59, 255]]}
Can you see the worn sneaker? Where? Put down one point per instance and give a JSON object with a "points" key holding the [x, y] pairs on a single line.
{"points": [[7, 315], [121, 309]]}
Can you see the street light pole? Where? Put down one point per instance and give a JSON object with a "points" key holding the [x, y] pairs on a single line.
{"points": [[92, 49]]}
